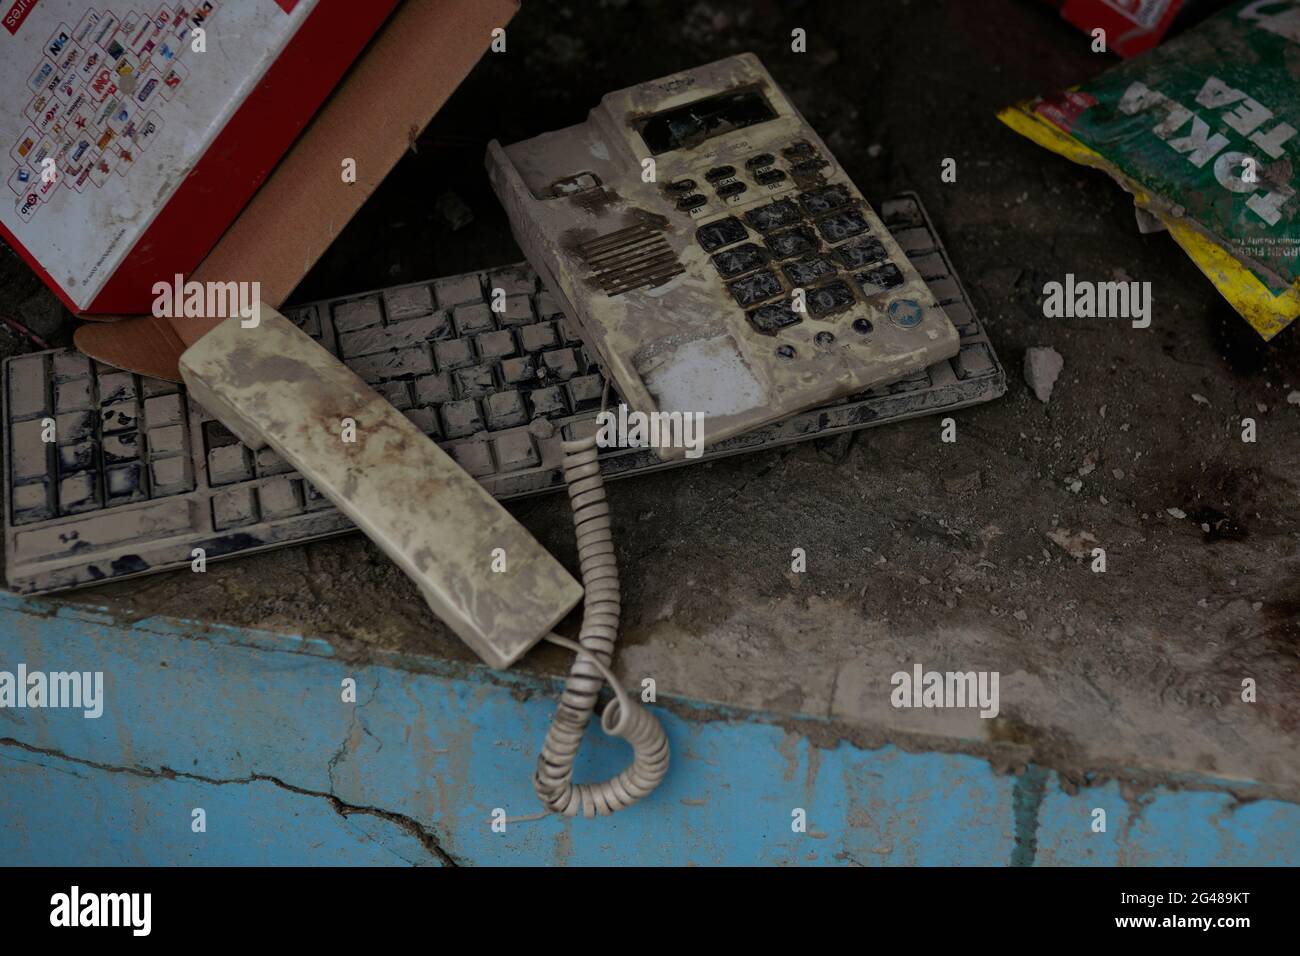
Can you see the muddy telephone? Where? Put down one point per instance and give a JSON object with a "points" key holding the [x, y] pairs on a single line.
{"points": [[714, 255]]}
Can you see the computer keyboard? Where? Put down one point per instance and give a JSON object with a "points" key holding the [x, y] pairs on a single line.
{"points": [[138, 476]]}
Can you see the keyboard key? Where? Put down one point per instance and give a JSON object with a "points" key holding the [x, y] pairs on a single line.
{"points": [[512, 281], [755, 288], [453, 353], [163, 410], [561, 363], [116, 387], [29, 456], [759, 161], [721, 233], [796, 242], [773, 216], [799, 150], [585, 393], [234, 508], [171, 476], [818, 201], [718, 173], [358, 314], [167, 440], [731, 189], [769, 177], [425, 419], [832, 297], [120, 417], [119, 448], [396, 393], [548, 306], [401, 335], [842, 225], [270, 462], [474, 382], [433, 389], [28, 383], [79, 493], [457, 291], [73, 395], [407, 303], [809, 166], [693, 201], [228, 463], [475, 457], [71, 427], [519, 311], [682, 186], [506, 410], [516, 451], [973, 361], [472, 319], [861, 252], [744, 258], [415, 360], [538, 337], [125, 483], [78, 457], [879, 280], [770, 319], [461, 418], [494, 346], [807, 271], [548, 402], [32, 503], [280, 498], [68, 365], [518, 371]]}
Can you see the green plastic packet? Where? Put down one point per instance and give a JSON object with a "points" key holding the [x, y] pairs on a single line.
{"points": [[1203, 131]]}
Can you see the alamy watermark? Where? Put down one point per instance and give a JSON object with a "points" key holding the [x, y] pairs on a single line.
{"points": [[218, 300], [1083, 299], [625, 429], [78, 690], [946, 689]]}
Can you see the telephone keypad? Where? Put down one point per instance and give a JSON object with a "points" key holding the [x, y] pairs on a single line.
{"points": [[755, 288], [773, 216], [721, 233], [842, 225], [787, 245], [833, 297], [741, 259], [804, 272], [771, 319]]}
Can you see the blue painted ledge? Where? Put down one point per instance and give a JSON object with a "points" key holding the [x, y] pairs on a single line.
{"points": [[251, 728]]}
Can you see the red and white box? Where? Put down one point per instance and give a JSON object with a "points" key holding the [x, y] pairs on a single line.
{"points": [[132, 132]]}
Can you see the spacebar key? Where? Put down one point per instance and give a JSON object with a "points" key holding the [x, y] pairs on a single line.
{"points": [[479, 569]]}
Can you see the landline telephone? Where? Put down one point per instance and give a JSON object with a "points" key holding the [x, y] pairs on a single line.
{"points": [[752, 282], [713, 253]]}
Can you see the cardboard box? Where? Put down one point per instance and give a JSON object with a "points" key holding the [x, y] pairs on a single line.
{"points": [[1132, 26], [132, 139], [414, 63]]}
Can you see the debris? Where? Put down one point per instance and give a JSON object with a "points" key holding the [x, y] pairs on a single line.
{"points": [[1293, 398], [1200, 399], [1077, 544], [1042, 367], [1178, 513], [963, 483], [1089, 464], [453, 211]]}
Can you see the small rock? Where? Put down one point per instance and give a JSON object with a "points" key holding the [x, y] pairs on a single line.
{"points": [[1200, 399], [1178, 513], [1042, 368], [874, 150], [1074, 484], [1020, 616], [1293, 398], [1118, 473]]}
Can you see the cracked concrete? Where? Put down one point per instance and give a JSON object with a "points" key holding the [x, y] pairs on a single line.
{"points": [[422, 833]]}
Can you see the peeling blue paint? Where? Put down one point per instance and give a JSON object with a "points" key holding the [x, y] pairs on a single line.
{"points": [[252, 726]]}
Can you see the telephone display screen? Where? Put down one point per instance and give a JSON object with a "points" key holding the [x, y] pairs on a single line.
{"points": [[690, 125]]}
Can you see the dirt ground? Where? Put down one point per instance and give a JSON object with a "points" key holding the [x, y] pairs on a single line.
{"points": [[953, 555]]}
